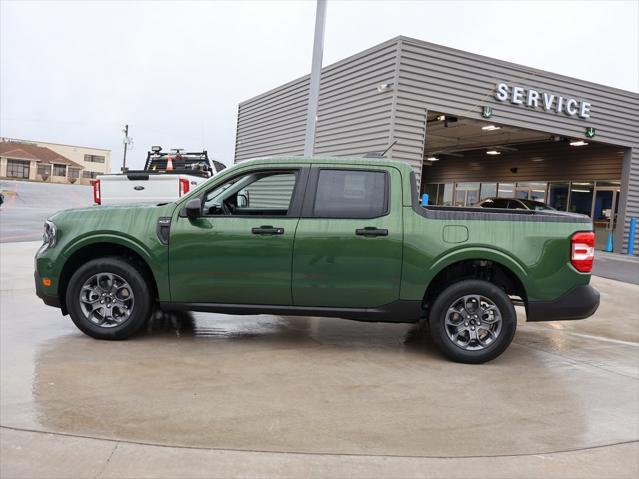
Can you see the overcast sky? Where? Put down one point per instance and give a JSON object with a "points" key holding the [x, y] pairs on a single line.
{"points": [[76, 72]]}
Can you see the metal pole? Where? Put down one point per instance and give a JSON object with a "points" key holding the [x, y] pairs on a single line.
{"points": [[316, 71], [126, 142]]}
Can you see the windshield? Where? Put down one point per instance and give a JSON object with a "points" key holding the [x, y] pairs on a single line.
{"points": [[536, 205]]}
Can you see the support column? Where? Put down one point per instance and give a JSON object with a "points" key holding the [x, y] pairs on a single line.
{"points": [[622, 227]]}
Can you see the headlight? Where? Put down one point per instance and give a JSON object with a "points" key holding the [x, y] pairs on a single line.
{"points": [[49, 235]]}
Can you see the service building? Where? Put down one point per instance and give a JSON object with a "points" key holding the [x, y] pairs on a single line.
{"points": [[470, 126]]}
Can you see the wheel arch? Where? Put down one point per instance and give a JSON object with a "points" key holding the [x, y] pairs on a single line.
{"points": [[101, 249], [490, 265]]}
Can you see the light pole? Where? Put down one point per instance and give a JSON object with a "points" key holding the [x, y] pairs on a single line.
{"points": [[127, 140], [316, 72]]}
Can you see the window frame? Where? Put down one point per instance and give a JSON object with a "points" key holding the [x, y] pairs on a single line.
{"points": [[15, 164], [58, 166], [308, 208], [90, 158], [301, 177]]}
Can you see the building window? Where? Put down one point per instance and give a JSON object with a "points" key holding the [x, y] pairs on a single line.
{"points": [[44, 170], [90, 174], [488, 190], [581, 197], [531, 190], [466, 194], [94, 158], [432, 190], [18, 169], [447, 197], [506, 190], [558, 196], [74, 173], [59, 170], [440, 194]]}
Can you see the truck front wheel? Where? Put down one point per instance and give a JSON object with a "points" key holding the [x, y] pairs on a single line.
{"points": [[472, 321], [108, 298]]}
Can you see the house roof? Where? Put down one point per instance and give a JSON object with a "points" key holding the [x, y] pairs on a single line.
{"points": [[23, 151]]}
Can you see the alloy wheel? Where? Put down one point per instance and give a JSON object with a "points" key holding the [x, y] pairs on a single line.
{"points": [[473, 322], [106, 300]]}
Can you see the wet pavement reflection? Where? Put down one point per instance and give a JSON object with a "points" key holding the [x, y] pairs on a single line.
{"points": [[321, 385]]}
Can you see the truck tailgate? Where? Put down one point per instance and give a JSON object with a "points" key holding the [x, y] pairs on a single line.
{"points": [[150, 188]]}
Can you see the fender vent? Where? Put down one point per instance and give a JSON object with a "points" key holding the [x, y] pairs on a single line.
{"points": [[163, 229]]}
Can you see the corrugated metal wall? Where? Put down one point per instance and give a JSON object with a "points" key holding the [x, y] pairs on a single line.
{"points": [[271, 192], [273, 123], [355, 118]]}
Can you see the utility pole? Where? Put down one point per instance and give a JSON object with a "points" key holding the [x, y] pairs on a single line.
{"points": [[126, 143], [316, 71]]}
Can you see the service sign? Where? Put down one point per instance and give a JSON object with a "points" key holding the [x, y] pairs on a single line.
{"points": [[550, 102]]}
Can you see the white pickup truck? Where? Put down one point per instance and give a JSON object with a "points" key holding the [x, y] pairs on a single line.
{"points": [[166, 177]]}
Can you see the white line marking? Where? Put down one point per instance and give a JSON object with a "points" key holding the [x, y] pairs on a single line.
{"points": [[600, 338]]}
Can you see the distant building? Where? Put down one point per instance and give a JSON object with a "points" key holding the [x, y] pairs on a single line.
{"points": [[51, 162]]}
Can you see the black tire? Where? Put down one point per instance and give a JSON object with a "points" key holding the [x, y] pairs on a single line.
{"points": [[448, 297], [141, 290]]}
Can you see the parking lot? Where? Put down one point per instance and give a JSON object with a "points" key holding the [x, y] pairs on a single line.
{"points": [[220, 395], [27, 205]]}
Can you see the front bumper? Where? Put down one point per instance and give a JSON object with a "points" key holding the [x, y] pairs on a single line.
{"points": [[578, 303], [46, 298]]}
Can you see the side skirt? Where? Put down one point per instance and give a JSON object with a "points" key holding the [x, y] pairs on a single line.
{"points": [[401, 311]]}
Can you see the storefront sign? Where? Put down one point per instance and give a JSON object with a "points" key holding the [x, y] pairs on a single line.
{"points": [[550, 102]]}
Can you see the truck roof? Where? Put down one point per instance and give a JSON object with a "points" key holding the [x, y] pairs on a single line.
{"points": [[330, 160]]}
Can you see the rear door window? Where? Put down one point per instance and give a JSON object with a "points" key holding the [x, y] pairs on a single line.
{"points": [[351, 194]]}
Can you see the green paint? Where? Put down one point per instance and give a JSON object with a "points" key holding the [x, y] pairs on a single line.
{"points": [[316, 262]]}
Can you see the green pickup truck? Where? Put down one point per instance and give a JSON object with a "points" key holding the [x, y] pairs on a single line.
{"points": [[327, 237]]}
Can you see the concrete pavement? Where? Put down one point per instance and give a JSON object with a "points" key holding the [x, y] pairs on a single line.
{"points": [[617, 266], [269, 396], [30, 454]]}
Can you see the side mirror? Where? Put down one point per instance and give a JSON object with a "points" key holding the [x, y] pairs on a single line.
{"points": [[193, 208]]}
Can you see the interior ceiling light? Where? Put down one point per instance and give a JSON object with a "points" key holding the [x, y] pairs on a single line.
{"points": [[493, 152], [441, 117], [580, 184], [491, 128], [578, 143], [432, 158], [537, 159], [580, 191]]}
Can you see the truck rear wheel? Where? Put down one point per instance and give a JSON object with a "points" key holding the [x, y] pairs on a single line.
{"points": [[108, 298], [472, 321]]}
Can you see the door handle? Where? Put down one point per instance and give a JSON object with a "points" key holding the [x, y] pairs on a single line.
{"points": [[267, 230], [371, 231]]}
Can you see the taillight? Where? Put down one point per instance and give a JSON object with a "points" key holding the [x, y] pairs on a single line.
{"points": [[582, 251], [183, 186], [96, 192]]}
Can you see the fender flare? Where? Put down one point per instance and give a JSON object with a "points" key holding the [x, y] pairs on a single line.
{"points": [[108, 237], [477, 253]]}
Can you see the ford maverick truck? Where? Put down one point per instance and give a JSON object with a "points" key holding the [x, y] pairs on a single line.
{"points": [[321, 237]]}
